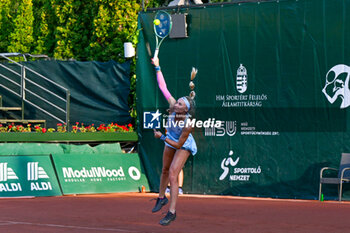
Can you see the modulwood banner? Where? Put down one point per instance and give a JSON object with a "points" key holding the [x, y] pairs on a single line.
{"points": [[99, 173]]}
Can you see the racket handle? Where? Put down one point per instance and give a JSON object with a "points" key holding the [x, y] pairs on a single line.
{"points": [[156, 53]]}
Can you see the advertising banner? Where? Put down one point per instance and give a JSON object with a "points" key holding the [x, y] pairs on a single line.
{"points": [[275, 74], [99, 173], [28, 176]]}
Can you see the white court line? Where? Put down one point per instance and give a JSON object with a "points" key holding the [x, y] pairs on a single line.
{"points": [[20, 197], [6, 223], [64, 226], [202, 196]]}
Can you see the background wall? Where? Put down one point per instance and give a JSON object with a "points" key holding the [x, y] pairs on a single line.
{"points": [[281, 130]]}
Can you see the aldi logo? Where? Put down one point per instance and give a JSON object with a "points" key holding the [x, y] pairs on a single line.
{"points": [[6, 173], [35, 176], [34, 172]]}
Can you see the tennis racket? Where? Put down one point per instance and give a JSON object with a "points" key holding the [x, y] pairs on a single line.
{"points": [[162, 27]]}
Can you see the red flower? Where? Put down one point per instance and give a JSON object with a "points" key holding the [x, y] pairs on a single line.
{"points": [[130, 125], [10, 126], [43, 130], [59, 124], [77, 123]]}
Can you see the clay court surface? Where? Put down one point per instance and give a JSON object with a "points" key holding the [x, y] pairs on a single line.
{"points": [[131, 212]]}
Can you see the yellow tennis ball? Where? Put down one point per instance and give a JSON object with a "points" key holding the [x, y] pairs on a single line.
{"points": [[156, 22]]}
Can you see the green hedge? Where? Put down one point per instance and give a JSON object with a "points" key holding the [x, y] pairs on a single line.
{"points": [[69, 29]]}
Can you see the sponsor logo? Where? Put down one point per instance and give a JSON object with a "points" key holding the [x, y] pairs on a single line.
{"points": [[227, 128], [34, 172], [239, 174], [40, 186], [96, 174], [337, 85], [230, 128], [134, 173], [241, 100], [151, 120], [209, 123], [6, 173], [225, 165], [10, 187], [241, 79], [93, 172]]}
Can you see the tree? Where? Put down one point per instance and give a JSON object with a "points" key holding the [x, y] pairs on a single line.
{"points": [[74, 27], [115, 23], [21, 38], [44, 27], [6, 25]]}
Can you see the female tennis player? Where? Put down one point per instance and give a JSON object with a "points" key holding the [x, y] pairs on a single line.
{"points": [[179, 144]]}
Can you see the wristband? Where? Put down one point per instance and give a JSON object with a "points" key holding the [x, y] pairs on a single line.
{"points": [[162, 137], [157, 68]]}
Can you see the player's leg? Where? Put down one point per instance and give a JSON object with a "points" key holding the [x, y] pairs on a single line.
{"points": [[181, 182], [179, 160], [168, 155]]}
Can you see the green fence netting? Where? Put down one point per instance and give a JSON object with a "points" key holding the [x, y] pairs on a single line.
{"points": [[99, 90], [276, 74]]}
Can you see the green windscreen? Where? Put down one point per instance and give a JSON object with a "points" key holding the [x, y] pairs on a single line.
{"points": [[275, 73], [98, 91]]}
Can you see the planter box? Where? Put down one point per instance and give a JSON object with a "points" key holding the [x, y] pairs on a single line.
{"points": [[68, 137]]}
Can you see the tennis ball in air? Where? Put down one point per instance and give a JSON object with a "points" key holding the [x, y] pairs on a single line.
{"points": [[156, 22]]}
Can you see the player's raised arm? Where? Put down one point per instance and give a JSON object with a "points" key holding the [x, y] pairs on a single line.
{"points": [[162, 84]]}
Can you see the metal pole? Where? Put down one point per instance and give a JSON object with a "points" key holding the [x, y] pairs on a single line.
{"points": [[23, 86], [67, 109]]}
